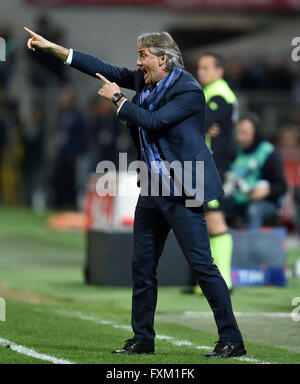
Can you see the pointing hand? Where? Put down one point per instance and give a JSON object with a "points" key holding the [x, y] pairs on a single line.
{"points": [[108, 89], [36, 41]]}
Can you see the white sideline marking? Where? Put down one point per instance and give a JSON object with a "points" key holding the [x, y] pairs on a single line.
{"points": [[207, 315], [32, 353], [170, 339]]}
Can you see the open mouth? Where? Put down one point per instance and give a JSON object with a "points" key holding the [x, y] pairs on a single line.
{"points": [[145, 74]]}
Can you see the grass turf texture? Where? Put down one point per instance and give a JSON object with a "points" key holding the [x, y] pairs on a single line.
{"points": [[41, 274]]}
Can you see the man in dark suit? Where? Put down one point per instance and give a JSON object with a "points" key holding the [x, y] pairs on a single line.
{"points": [[166, 120]]}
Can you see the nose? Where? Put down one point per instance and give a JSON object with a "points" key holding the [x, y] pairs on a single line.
{"points": [[138, 62]]}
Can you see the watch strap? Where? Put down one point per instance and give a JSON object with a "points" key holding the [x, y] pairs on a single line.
{"points": [[117, 97]]}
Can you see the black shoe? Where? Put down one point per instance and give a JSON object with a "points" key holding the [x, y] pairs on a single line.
{"points": [[135, 347], [228, 349]]}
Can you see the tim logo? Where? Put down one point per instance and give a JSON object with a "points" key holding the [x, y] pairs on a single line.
{"points": [[2, 49], [296, 50], [2, 309]]}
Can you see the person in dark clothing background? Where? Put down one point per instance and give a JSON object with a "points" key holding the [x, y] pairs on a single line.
{"points": [[2, 130], [33, 140], [256, 183], [221, 115], [103, 129], [2, 139], [69, 140], [221, 110]]}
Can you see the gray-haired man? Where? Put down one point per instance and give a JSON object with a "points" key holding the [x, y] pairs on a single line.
{"points": [[166, 120]]}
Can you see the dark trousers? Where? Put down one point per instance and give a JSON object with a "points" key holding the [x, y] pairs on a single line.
{"points": [[151, 227]]}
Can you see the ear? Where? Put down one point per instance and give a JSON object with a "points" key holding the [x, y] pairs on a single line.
{"points": [[162, 59]]}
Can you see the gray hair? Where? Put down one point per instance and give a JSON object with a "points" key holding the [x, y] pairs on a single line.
{"points": [[162, 43]]}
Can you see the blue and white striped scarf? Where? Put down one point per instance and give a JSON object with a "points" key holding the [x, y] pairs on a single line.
{"points": [[149, 99]]}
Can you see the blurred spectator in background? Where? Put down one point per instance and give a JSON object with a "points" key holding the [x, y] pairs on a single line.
{"points": [[220, 119], [277, 75], [252, 76], [6, 67], [101, 137], [260, 75], [2, 141], [103, 130], [2, 129], [256, 183], [289, 145], [234, 72], [33, 138], [12, 153], [69, 141]]}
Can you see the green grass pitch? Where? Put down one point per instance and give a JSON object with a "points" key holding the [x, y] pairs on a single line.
{"points": [[50, 309]]}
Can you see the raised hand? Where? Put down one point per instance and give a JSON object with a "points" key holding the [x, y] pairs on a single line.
{"points": [[108, 89], [36, 41]]}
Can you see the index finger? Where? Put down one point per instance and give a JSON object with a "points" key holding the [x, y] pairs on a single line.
{"points": [[102, 78], [30, 31]]}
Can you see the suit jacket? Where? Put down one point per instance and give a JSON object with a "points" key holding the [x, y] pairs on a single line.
{"points": [[177, 125]]}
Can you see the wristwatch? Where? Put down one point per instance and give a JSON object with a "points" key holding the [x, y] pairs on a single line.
{"points": [[116, 97]]}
